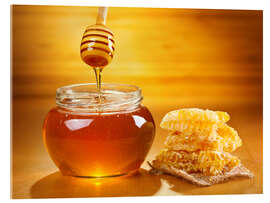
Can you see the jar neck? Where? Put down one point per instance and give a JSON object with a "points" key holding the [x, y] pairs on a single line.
{"points": [[111, 98]]}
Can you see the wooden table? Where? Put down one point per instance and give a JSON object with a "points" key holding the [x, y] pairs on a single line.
{"points": [[35, 175], [180, 58]]}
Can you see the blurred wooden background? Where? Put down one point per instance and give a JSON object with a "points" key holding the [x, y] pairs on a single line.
{"points": [[179, 57], [191, 56]]}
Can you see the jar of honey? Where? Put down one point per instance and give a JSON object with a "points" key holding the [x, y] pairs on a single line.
{"points": [[93, 133]]}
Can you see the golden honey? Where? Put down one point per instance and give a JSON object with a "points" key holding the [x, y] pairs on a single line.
{"points": [[89, 138]]}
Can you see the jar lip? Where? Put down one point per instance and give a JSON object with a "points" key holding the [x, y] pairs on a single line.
{"points": [[85, 97]]}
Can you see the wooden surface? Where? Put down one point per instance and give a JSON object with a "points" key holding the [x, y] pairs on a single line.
{"points": [[180, 58]]}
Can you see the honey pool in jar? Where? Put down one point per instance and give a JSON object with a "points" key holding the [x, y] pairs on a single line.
{"points": [[89, 134]]}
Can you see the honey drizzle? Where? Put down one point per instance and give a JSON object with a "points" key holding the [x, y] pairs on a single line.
{"points": [[98, 71]]}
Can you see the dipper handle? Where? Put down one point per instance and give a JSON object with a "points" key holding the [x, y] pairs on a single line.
{"points": [[102, 15]]}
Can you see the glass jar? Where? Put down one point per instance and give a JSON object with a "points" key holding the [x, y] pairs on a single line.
{"points": [[97, 135]]}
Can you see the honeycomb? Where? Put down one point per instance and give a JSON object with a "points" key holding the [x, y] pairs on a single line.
{"points": [[199, 141], [208, 163], [225, 138]]}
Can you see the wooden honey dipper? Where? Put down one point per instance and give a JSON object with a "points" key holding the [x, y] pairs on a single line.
{"points": [[97, 46]]}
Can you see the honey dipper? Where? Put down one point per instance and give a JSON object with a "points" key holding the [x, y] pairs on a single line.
{"points": [[97, 46]]}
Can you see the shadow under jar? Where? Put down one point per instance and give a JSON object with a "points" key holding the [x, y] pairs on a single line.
{"points": [[97, 135]]}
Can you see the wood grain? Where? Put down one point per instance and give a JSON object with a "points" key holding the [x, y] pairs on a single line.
{"points": [[179, 57]]}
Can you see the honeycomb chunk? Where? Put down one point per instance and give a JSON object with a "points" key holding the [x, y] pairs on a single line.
{"points": [[194, 121], [208, 163], [231, 140], [179, 141], [188, 128], [225, 139], [193, 115]]}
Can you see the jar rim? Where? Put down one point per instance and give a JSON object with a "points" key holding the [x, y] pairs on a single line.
{"points": [[112, 97]]}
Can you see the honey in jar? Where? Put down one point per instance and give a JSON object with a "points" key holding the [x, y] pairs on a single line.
{"points": [[91, 137]]}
